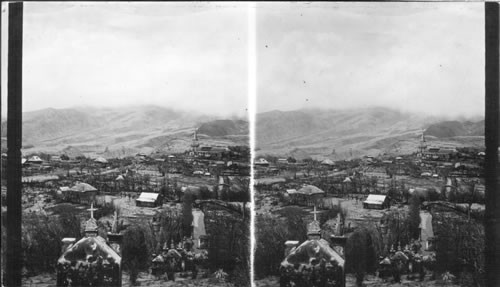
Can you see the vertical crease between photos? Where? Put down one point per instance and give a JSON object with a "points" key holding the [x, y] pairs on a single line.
{"points": [[252, 62]]}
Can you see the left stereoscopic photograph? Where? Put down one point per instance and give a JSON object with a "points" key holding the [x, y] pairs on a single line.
{"points": [[125, 144]]}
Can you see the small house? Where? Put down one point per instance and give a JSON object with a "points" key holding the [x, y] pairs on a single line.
{"points": [[82, 193], [35, 159], [55, 158], [282, 161], [141, 157], [426, 174], [101, 160], [290, 194], [307, 195], [261, 162], [328, 162], [310, 190], [376, 201], [148, 199]]}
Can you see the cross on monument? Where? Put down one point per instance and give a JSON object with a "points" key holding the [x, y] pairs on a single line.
{"points": [[92, 209], [315, 212]]}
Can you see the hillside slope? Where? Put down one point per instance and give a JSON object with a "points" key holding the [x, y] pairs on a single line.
{"points": [[339, 133], [448, 129], [220, 128], [123, 131]]}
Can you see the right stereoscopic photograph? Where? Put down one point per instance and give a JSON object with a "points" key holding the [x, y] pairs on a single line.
{"points": [[369, 148]]}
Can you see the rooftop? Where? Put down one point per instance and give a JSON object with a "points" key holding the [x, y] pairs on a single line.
{"points": [[375, 199], [148, 197]]}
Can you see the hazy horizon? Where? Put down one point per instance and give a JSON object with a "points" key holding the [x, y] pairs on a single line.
{"points": [[139, 106], [368, 107], [246, 117]]}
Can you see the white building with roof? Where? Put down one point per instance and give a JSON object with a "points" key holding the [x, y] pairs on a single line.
{"points": [[148, 199], [376, 201]]}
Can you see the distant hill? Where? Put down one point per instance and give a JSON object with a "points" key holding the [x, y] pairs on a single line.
{"points": [[337, 134], [51, 123], [220, 128], [334, 134], [123, 131], [449, 129]]}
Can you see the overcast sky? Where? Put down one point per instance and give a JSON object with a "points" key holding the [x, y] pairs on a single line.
{"points": [[188, 55], [421, 57]]}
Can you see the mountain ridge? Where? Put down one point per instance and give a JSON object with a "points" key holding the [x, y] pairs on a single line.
{"points": [[134, 129], [306, 132], [365, 131]]}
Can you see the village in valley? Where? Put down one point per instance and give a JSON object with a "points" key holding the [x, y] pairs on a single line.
{"points": [[369, 164], [147, 219], [302, 144], [412, 219], [133, 145]]}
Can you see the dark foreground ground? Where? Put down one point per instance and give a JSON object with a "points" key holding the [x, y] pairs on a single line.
{"points": [[49, 280], [370, 281]]}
